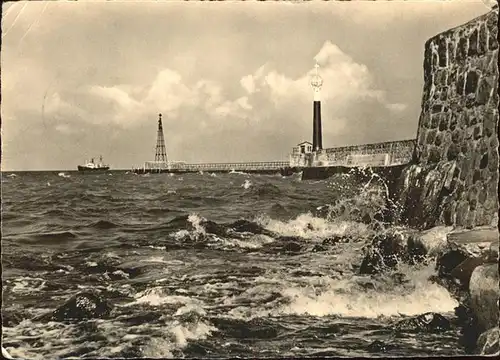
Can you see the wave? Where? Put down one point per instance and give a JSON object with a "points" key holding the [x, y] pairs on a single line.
{"points": [[101, 338], [52, 237], [63, 175], [103, 225], [355, 296], [309, 227]]}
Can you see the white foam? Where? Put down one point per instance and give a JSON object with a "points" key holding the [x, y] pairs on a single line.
{"points": [[121, 273], [154, 259], [156, 296], [157, 247], [63, 175], [253, 242], [196, 233], [247, 184], [198, 331], [27, 285], [307, 226], [325, 295]]}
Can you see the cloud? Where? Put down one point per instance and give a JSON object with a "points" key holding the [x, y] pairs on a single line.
{"points": [[248, 83], [120, 97], [397, 107], [65, 129], [267, 93], [267, 96], [344, 80], [266, 104]]}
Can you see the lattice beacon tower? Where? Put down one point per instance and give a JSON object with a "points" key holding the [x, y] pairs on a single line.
{"points": [[161, 152]]}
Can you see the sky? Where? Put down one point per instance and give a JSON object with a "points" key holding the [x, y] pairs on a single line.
{"points": [[83, 79]]}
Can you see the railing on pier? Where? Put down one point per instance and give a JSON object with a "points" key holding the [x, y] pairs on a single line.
{"points": [[244, 166], [156, 166]]}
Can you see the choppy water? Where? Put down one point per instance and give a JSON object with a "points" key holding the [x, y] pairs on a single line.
{"points": [[188, 278]]}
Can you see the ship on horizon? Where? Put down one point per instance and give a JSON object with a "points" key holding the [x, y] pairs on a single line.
{"points": [[91, 166]]}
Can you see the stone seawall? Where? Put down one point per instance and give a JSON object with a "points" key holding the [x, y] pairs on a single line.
{"points": [[397, 152], [376, 154], [454, 176], [452, 182]]}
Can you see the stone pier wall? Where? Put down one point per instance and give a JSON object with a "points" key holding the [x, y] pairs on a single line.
{"points": [[378, 154], [456, 155]]}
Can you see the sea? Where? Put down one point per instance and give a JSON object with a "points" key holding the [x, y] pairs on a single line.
{"points": [[207, 266]]}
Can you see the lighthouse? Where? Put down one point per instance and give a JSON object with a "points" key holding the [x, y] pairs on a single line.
{"points": [[316, 84]]}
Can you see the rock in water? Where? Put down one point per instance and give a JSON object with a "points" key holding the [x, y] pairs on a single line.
{"points": [[82, 306], [379, 346], [484, 294], [449, 260], [385, 252], [488, 342], [248, 226], [463, 272], [428, 243], [428, 322], [5, 354], [318, 248]]}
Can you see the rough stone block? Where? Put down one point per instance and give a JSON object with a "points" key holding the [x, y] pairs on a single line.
{"points": [[473, 43], [476, 177], [484, 293], [471, 82], [489, 342], [462, 49], [425, 119], [443, 96], [470, 101], [439, 139], [443, 123], [453, 121], [483, 217], [483, 194], [465, 148], [484, 91], [462, 212], [472, 194], [490, 123], [482, 44], [453, 151], [460, 84], [478, 131], [493, 144], [434, 121], [493, 160], [473, 205], [484, 161], [437, 109], [442, 52], [457, 136], [470, 220], [484, 143], [435, 60], [452, 77], [451, 51], [493, 186], [434, 155], [431, 136], [493, 41], [490, 204]]}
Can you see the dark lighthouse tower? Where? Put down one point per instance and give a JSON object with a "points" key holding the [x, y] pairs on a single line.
{"points": [[161, 152], [316, 84]]}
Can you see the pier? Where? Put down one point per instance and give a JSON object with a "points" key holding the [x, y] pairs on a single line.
{"points": [[265, 167]]}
